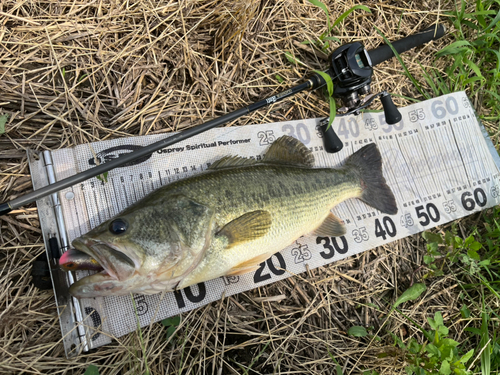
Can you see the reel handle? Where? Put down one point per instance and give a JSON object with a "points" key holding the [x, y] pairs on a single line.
{"points": [[331, 140], [392, 114]]}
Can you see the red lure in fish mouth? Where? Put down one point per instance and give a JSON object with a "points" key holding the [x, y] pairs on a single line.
{"points": [[73, 260], [96, 256]]}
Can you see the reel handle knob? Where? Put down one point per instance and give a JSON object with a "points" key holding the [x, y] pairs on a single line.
{"points": [[331, 140], [392, 114]]}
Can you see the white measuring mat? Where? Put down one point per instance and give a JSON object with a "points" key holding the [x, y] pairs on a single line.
{"points": [[438, 161]]}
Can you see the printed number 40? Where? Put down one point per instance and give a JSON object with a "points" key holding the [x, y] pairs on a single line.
{"points": [[387, 227]]}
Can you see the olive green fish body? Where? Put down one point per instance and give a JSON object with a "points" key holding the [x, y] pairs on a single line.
{"points": [[226, 220], [298, 200]]}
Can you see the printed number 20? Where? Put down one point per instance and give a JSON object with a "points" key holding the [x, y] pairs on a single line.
{"points": [[258, 277]]}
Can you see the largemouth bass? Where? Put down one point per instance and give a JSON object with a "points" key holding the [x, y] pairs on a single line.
{"points": [[225, 221]]}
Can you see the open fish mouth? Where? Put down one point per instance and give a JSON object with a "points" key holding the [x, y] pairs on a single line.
{"points": [[90, 255]]}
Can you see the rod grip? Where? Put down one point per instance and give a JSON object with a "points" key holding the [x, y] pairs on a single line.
{"points": [[5, 209], [384, 52]]}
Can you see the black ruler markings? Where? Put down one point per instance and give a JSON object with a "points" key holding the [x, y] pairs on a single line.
{"points": [[438, 161], [392, 170], [465, 152], [451, 164], [483, 152], [424, 143], [397, 170], [408, 177], [470, 150]]}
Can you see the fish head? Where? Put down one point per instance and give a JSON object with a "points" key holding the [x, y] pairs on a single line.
{"points": [[146, 249]]}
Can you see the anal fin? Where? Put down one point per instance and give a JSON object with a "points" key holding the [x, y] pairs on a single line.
{"points": [[332, 226], [242, 271]]}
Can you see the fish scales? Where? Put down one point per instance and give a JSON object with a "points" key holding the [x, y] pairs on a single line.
{"points": [[311, 194], [226, 220], [297, 194]]}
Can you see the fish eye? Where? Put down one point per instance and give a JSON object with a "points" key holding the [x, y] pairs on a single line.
{"points": [[118, 226]]}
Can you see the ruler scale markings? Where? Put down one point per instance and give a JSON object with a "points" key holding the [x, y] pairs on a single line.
{"points": [[477, 151], [439, 167], [421, 144], [487, 163], [125, 195], [461, 151], [486, 155], [449, 168], [390, 172], [419, 166], [408, 175], [466, 133], [456, 164], [410, 179], [435, 148], [470, 153], [410, 190]]}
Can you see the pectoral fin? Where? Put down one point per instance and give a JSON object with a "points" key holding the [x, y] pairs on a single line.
{"points": [[332, 226], [247, 227]]}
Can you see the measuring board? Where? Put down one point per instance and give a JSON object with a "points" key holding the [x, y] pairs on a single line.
{"points": [[438, 161]]}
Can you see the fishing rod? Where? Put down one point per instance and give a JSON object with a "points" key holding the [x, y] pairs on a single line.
{"points": [[351, 69]]}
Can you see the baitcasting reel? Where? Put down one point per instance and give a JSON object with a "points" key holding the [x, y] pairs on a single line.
{"points": [[351, 69]]}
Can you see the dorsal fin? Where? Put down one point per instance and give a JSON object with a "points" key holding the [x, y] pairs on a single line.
{"points": [[231, 161], [288, 150]]}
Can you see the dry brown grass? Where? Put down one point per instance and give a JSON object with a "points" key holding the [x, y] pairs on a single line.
{"points": [[73, 72]]}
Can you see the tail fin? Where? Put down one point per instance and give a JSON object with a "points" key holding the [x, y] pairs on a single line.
{"points": [[368, 163]]}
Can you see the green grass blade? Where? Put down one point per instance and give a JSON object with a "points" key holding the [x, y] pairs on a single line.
{"points": [[494, 22], [474, 67], [333, 112], [256, 358], [319, 4], [3, 121], [345, 14], [454, 48], [293, 59], [411, 294], [91, 370], [328, 80], [486, 344]]}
